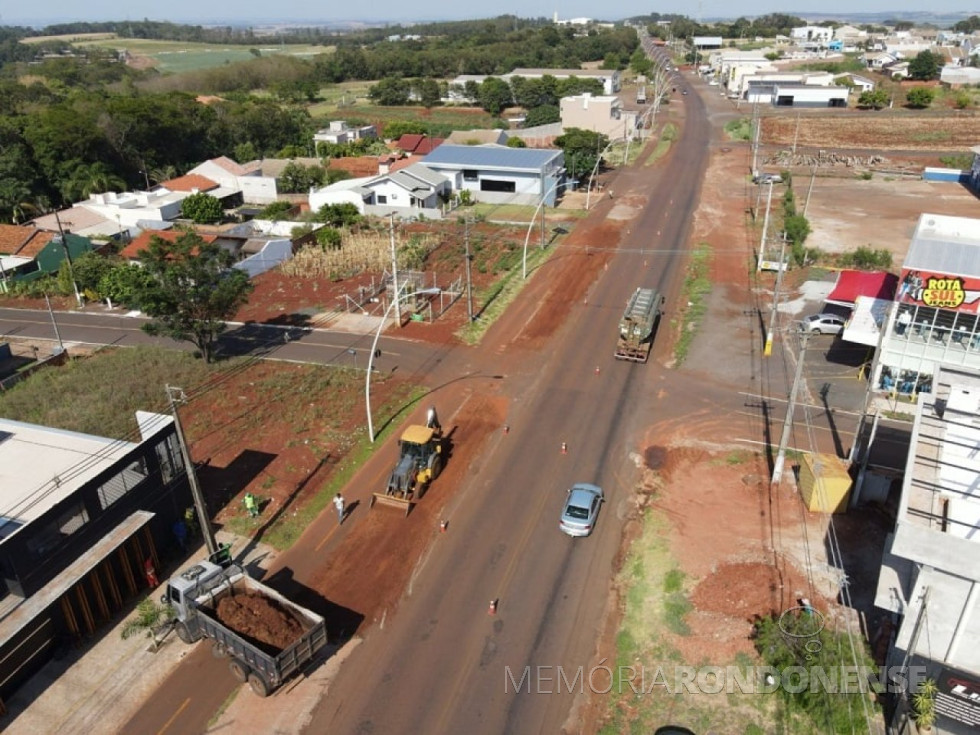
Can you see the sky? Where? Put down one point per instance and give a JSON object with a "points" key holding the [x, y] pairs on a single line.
{"points": [[252, 12]]}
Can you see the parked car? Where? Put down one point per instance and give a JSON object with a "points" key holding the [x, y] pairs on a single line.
{"points": [[767, 179], [823, 324], [578, 516]]}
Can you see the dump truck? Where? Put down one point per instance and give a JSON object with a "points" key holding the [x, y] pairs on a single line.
{"points": [[195, 594], [636, 326], [419, 462]]}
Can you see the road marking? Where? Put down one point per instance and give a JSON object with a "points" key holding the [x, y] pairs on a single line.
{"points": [[175, 715], [327, 537]]}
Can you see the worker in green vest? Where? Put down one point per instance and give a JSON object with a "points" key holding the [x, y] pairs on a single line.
{"points": [[251, 505]]}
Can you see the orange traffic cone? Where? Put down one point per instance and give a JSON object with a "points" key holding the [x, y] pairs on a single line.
{"points": [[506, 429], [564, 448], [493, 608], [442, 526], [596, 369]]}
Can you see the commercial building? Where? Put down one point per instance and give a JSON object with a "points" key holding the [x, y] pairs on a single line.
{"points": [[83, 521], [929, 583], [935, 317]]}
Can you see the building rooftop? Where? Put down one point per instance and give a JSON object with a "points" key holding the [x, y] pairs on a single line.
{"points": [[491, 156], [947, 245], [40, 466]]}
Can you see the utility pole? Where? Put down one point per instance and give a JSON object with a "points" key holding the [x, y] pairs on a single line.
{"points": [[57, 334], [777, 469], [765, 229], [469, 259], [809, 189], [756, 122], [394, 272], [71, 267], [202, 510], [775, 299]]}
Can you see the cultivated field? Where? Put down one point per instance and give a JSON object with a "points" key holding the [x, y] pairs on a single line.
{"points": [[180, 56]]}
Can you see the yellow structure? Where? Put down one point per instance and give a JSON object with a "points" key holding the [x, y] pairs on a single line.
{"points": [[825, 485]]}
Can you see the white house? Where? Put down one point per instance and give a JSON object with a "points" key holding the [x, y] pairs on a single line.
{"points": [[818, 35], [233, 177], [408, 192], [339, 132]]}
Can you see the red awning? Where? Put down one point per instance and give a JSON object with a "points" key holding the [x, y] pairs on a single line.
{"points": [[851, 284]]}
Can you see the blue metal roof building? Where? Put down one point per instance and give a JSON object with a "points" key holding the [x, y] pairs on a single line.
{"points": [[500, 175]]}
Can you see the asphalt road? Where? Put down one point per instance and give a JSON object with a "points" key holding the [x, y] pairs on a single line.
{"points": [[443, 664], [322, 346]]}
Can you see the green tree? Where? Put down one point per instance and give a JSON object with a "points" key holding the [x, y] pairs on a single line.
{"points": [[201, 208], [397, 128], [194, 290], [920, 97], [495, 95], [277, 210], [582, 146], [89, 269], [516, 142], [297, 178], [925, 65], [125, 284], [339, 215], [390, 91], [873, 98], [328, 238], [542, 115]]}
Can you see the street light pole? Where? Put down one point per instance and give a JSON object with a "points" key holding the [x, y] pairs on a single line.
{"points": [[557, 185], [374, 349]]}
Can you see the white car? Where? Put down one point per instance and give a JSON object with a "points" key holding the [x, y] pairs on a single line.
{"points": [[823, 324]]}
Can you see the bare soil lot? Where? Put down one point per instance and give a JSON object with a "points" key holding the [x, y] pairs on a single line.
{"points": [[884, 130]]}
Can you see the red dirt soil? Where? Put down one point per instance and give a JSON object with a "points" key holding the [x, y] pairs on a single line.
{"points": [[260, 619]]}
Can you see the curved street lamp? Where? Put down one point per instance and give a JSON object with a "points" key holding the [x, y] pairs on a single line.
{"points": [[595, 170], [557, 185], [374, 346]]}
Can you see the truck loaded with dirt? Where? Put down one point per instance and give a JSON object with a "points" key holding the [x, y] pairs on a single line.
{"points": [[265, 636]]}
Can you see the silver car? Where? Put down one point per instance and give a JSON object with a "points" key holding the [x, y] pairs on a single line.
{"points": [[578, 516], [823, 324]]}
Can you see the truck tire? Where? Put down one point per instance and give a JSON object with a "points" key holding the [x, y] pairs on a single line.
{"points": [[239, 670], [184, 633], [258, 685]]}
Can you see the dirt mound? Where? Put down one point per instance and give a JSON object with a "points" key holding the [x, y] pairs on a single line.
{"points": [[260, 619], [747, 590]]}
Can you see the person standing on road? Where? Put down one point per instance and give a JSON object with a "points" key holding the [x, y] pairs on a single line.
{"points": [[338, 502]]}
